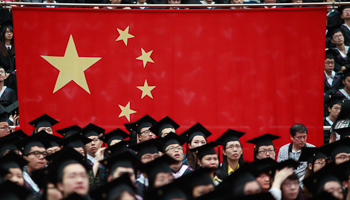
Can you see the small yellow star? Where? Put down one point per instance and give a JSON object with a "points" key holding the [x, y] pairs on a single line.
{"points": [[126, 111], [145, 57], [146, 90], [124, 35], [71, 66]]}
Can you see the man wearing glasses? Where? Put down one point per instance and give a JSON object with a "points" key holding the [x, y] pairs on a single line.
{"points": [[142, 127], [33, 150], [298, 135], [4, 125]]}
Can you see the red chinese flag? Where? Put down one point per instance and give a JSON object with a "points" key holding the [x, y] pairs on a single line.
{"points": [[254, 70]]}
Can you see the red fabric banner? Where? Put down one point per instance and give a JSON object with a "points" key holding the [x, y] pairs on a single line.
{"points": [[253, 70]]}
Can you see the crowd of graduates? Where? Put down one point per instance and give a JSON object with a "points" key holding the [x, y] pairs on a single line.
{"points": [[148, 161]]}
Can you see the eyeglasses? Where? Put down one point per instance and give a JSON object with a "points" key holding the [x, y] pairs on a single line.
{"points": [[179, 148], [145, 132], [270, 151], [237, 146], [38, 153], [343, 157], [337, 36], [5, 127], [289, 184], [95, 140], [329, 62], [320, 163], [149, 157]]}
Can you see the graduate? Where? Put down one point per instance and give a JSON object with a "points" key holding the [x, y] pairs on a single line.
{"points": [[114, 136], [264, 146], [44, 122], [70, 130], [14, 164], [196, 136], [141, 127], [164, 127]]}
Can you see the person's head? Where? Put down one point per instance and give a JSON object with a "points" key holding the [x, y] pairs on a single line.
{"points": [[329, 62], [335, 188], [345, 12], [36, 158], [252, 187], [145, 134], [265, 181], [318, 164], [341, 157], [44, 122], [298, 135], [334, 109], [47, 129], [197, 141], [2, 74], [94, 133], [4, 125], [270, 1], [148, 150], [200, 190], [53, 193], [142, 126], [7, 32], [115, 1], [162, 178], [297, 1], [164, 126], [337, 37], [290, 188], [233, 150], [209, 161], [175, 151], [236, 1], [264, 147], [94, 145], [14, 164], [53, 149], [73, 178]]}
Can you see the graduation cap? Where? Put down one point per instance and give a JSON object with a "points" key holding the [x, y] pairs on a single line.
{"points": [[156, 166], [334, 148], [8, 143], [207, 149], [311, 154], [149, 146], [43, 121], [91, 129], [20, 134], [290, 163], [162, 124], [195, 130], [117, 148], [229, 135], [346, 73], [334, 99], [63, 158], [345, 167], [264, 166], [263, 140], [316, 181], [34, 140], [117, 134], [129, 126], [12, 160], [75, 140], [196, 178], [172, 138], [343, 132], [65, 132], [124, 159], [113, 188], [323, 196], [11, 191], [145, 121], [170, 191], [52, 139]]}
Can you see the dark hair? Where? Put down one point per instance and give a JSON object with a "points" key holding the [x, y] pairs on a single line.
{"points": [[294, 176], [297, 128], [256, 151], [224, 166]]}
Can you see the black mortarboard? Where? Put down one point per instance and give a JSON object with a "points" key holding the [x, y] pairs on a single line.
{"points": [[195, 130], [345, 167], [34, 140], [264, 166], [260, 196], [323, 195], [11, 191], [229, 135], [41, 178], [334, 99], [334, 148], [170, 191], [124, 159], [149, 146], [311, 154], [114, 188], [343, 119], [91, 129], [20, 134], [286, 163], [263, 140], [331, 172], [52, 139], [65, 132], [117, 148], [172, 138], [156, 166], [12, 160], [329, 55], [8, 143], [117, 134], [43, 121], [166, 122], [145, 121], [129, 126], [196, 178], [63, 158], [75, 140], [343, 132], [206, 149]]}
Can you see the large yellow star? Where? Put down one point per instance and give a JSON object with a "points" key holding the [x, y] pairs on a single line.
{"points": [[126, 111], [124, 35], [145, 57], [71, 67], [146, 90]]}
